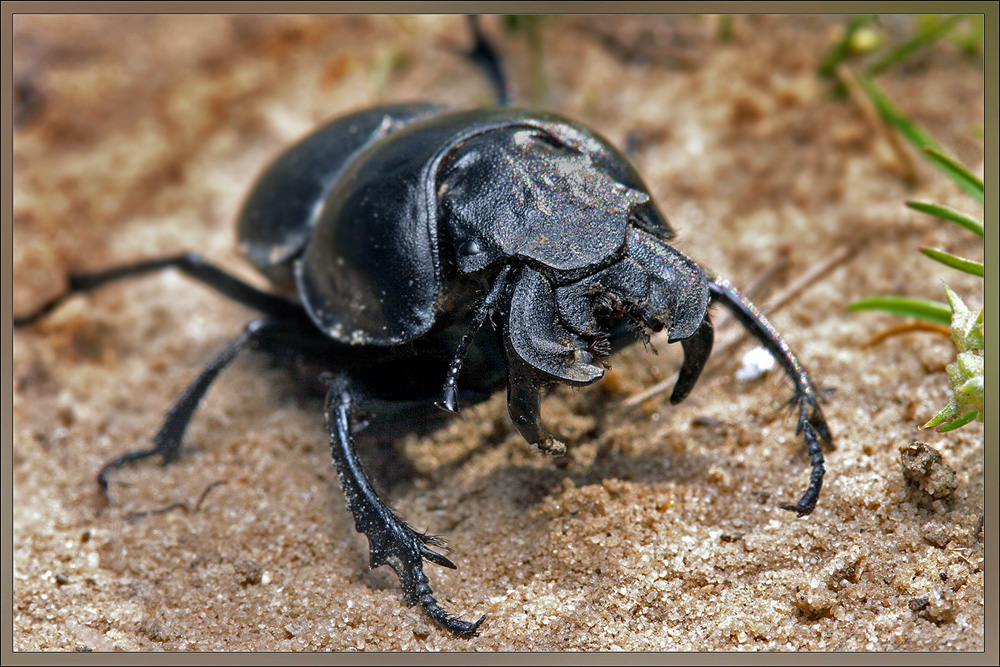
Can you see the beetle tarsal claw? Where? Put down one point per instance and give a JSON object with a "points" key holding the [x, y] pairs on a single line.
{"points": [[808, 500], [449, 399], [552, 447], [404, 550]]}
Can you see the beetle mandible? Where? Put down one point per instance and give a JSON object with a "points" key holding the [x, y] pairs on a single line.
{"points": [[393, 234]]}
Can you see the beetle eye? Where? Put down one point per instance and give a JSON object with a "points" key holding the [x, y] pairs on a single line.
{"points": [[470, 247]]}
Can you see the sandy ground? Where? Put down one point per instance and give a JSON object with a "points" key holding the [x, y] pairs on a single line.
{"points": [[138, 136]]}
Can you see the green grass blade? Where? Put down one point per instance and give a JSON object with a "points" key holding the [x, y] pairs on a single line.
{"points": [[922, 40], [973, 224], [724, 28], [956, 171], [921, 309], [893, 116], [921, 140], [962, 264]]}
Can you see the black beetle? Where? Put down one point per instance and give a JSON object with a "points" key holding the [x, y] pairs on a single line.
{"points": [[393, 234]]}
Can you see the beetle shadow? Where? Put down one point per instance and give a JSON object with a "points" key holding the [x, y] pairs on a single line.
{"points": [[393, 472], [529, 485], [521, 487], [511, 494]]}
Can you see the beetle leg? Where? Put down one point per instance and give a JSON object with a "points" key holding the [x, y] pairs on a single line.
{"points": [[488, 60], [190, 264], [524, 406], [811, 423], [540, 350], [170, 436], [449, 401], [390, 540]]}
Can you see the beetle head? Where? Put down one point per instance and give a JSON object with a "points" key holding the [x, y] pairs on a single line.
{"points": [[588, 278], [653, 287], [565, 330]]}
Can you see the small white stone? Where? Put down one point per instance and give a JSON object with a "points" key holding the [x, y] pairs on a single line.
{"points": [[756, 362]]}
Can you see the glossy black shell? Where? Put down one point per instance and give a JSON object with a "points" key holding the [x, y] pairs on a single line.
{"points": [[350, 214]]}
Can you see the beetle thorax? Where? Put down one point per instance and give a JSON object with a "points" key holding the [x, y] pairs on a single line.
{"points": [[518, 192]]}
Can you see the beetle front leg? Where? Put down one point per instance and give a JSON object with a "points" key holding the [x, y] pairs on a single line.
{"points": [[390, 540], [540, 350], [524, 405], [811, 423], [449, 402]]}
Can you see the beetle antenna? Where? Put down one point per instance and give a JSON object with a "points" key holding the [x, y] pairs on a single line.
{"points": [[449, 401]]}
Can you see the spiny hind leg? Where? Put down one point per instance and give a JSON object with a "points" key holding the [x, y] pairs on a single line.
{"points": [[167, 442], [190, 264]]}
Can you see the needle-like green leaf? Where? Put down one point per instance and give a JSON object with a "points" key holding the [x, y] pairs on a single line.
{"points": [[964, 265], [893, 116], [921, 309], [956, 171], [973, 224], [961, 421]]}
